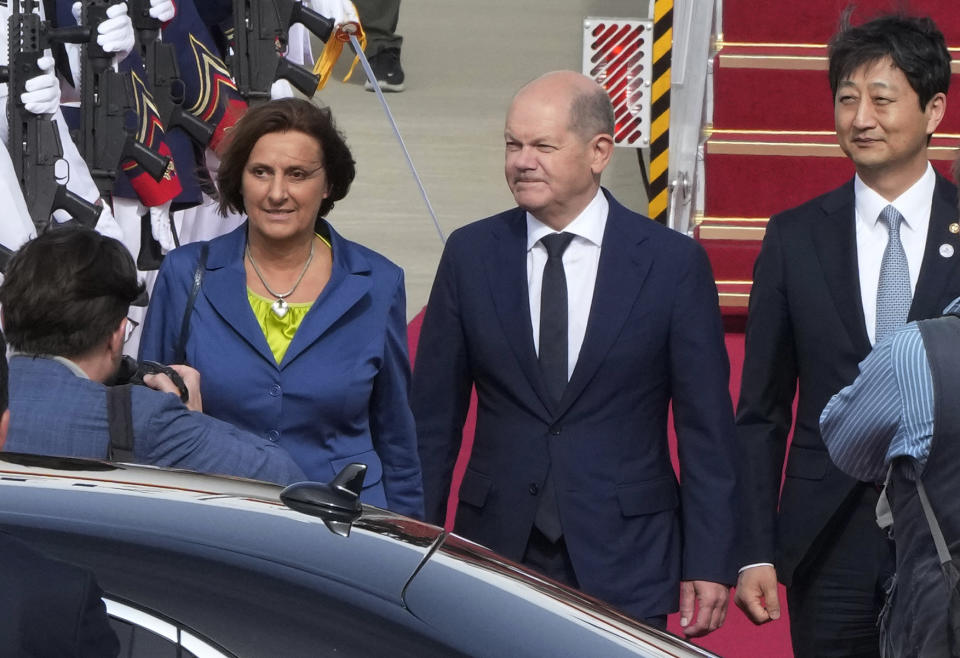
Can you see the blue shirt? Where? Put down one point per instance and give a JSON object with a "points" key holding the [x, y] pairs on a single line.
{"points": [[887, 412]]}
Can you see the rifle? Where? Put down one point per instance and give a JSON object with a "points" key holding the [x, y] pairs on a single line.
{"points": [[260, 38], [34, 141], [5, 256], [105, 98], [163, 73]]}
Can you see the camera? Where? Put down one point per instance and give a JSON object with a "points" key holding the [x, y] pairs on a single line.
{"points": [[132, 372]]}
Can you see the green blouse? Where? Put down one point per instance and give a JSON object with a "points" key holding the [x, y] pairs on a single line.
{"points": [[278, 331]]}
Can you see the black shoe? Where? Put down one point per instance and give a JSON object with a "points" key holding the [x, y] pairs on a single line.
{"points": [[386, 67]]}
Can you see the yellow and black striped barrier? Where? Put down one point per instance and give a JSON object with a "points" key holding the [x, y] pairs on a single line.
{"points": [[660, 110]]}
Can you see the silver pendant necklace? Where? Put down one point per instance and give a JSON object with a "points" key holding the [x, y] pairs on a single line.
{"points": [[280, 307]]}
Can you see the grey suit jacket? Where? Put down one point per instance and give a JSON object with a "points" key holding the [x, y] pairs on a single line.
{"points": [[55, 412]]}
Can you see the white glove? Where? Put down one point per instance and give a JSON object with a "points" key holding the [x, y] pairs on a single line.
{"points": [[42, 95], [115, 35], [281, 89], [107, 224], [160, 226], [162, 10], [339, 11]]}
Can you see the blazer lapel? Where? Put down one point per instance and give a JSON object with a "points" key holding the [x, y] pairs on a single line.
{"points": [[349, 282], [507, 277], [225, 286], [937, 271], [834, 238], [623, 267]]}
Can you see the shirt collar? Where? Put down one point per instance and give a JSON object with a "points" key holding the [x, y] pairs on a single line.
{"points": [[589, 224], [913, 204], [70, 365]]}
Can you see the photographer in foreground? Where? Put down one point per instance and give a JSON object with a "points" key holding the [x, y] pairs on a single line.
{"points": [[50, 608], [65, 299]]}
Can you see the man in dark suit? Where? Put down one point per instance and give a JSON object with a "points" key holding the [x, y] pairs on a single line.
{"points": [[576, 350], [834, 276], [47, 607]]}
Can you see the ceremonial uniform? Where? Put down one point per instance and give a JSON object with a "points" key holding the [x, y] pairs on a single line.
{"points": [[17, 226]]}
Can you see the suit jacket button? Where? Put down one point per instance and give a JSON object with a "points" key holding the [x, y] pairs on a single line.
{"points": [[555, 430], [275, 390], [533, 489], [273, 435]]}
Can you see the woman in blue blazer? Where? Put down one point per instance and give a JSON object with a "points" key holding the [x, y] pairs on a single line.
{"points": [[298, 333]]}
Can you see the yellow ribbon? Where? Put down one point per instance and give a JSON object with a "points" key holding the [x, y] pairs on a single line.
{"points": [[333, 48]]}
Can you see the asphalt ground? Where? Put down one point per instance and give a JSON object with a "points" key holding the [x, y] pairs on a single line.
{"points": [[463, 62]]}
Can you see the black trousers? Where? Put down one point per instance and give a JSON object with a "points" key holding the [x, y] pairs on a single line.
{"points": [[838, 590], [379, 19], [552, 560]]}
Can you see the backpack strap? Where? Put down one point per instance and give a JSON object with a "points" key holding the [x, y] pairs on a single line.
{"points": [[120, 421], [180, 352], [942, 551]]}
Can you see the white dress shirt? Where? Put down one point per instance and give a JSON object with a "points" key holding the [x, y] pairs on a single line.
{"points": [[872, 236], [580, 262]]}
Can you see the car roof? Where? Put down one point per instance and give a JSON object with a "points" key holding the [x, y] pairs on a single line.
{"points": [[177, 506], [403, 568]]}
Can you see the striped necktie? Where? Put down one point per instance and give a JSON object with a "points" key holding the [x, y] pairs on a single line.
{"points": [[893, 290]]}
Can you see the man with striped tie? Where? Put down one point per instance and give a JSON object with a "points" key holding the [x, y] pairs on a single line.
{"points": [[834, 277]]}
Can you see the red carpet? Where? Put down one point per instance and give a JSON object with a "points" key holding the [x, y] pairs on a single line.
{"points": [[814, 21], [771, 144], [729, 176], [802, 99]]}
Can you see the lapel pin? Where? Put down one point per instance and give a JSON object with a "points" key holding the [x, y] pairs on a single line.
{"points": [[946, 250], [954, 228]]}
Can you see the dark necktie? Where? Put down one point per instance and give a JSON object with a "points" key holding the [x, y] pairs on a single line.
{"points": [[553, 315], [893, 289], [553, 361]]}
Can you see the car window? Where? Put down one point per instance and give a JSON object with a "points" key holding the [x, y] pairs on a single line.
{"points": [[147, 634], [138, 642], [251, 606]]}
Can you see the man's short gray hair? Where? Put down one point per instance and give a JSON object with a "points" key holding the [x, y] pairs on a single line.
{"points": [[591, 114]]}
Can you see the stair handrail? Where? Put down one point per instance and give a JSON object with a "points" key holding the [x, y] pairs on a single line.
{"points": [[696, 26]]}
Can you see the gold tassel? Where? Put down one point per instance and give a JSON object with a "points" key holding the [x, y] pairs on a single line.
{"points": [[331, 52]]}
